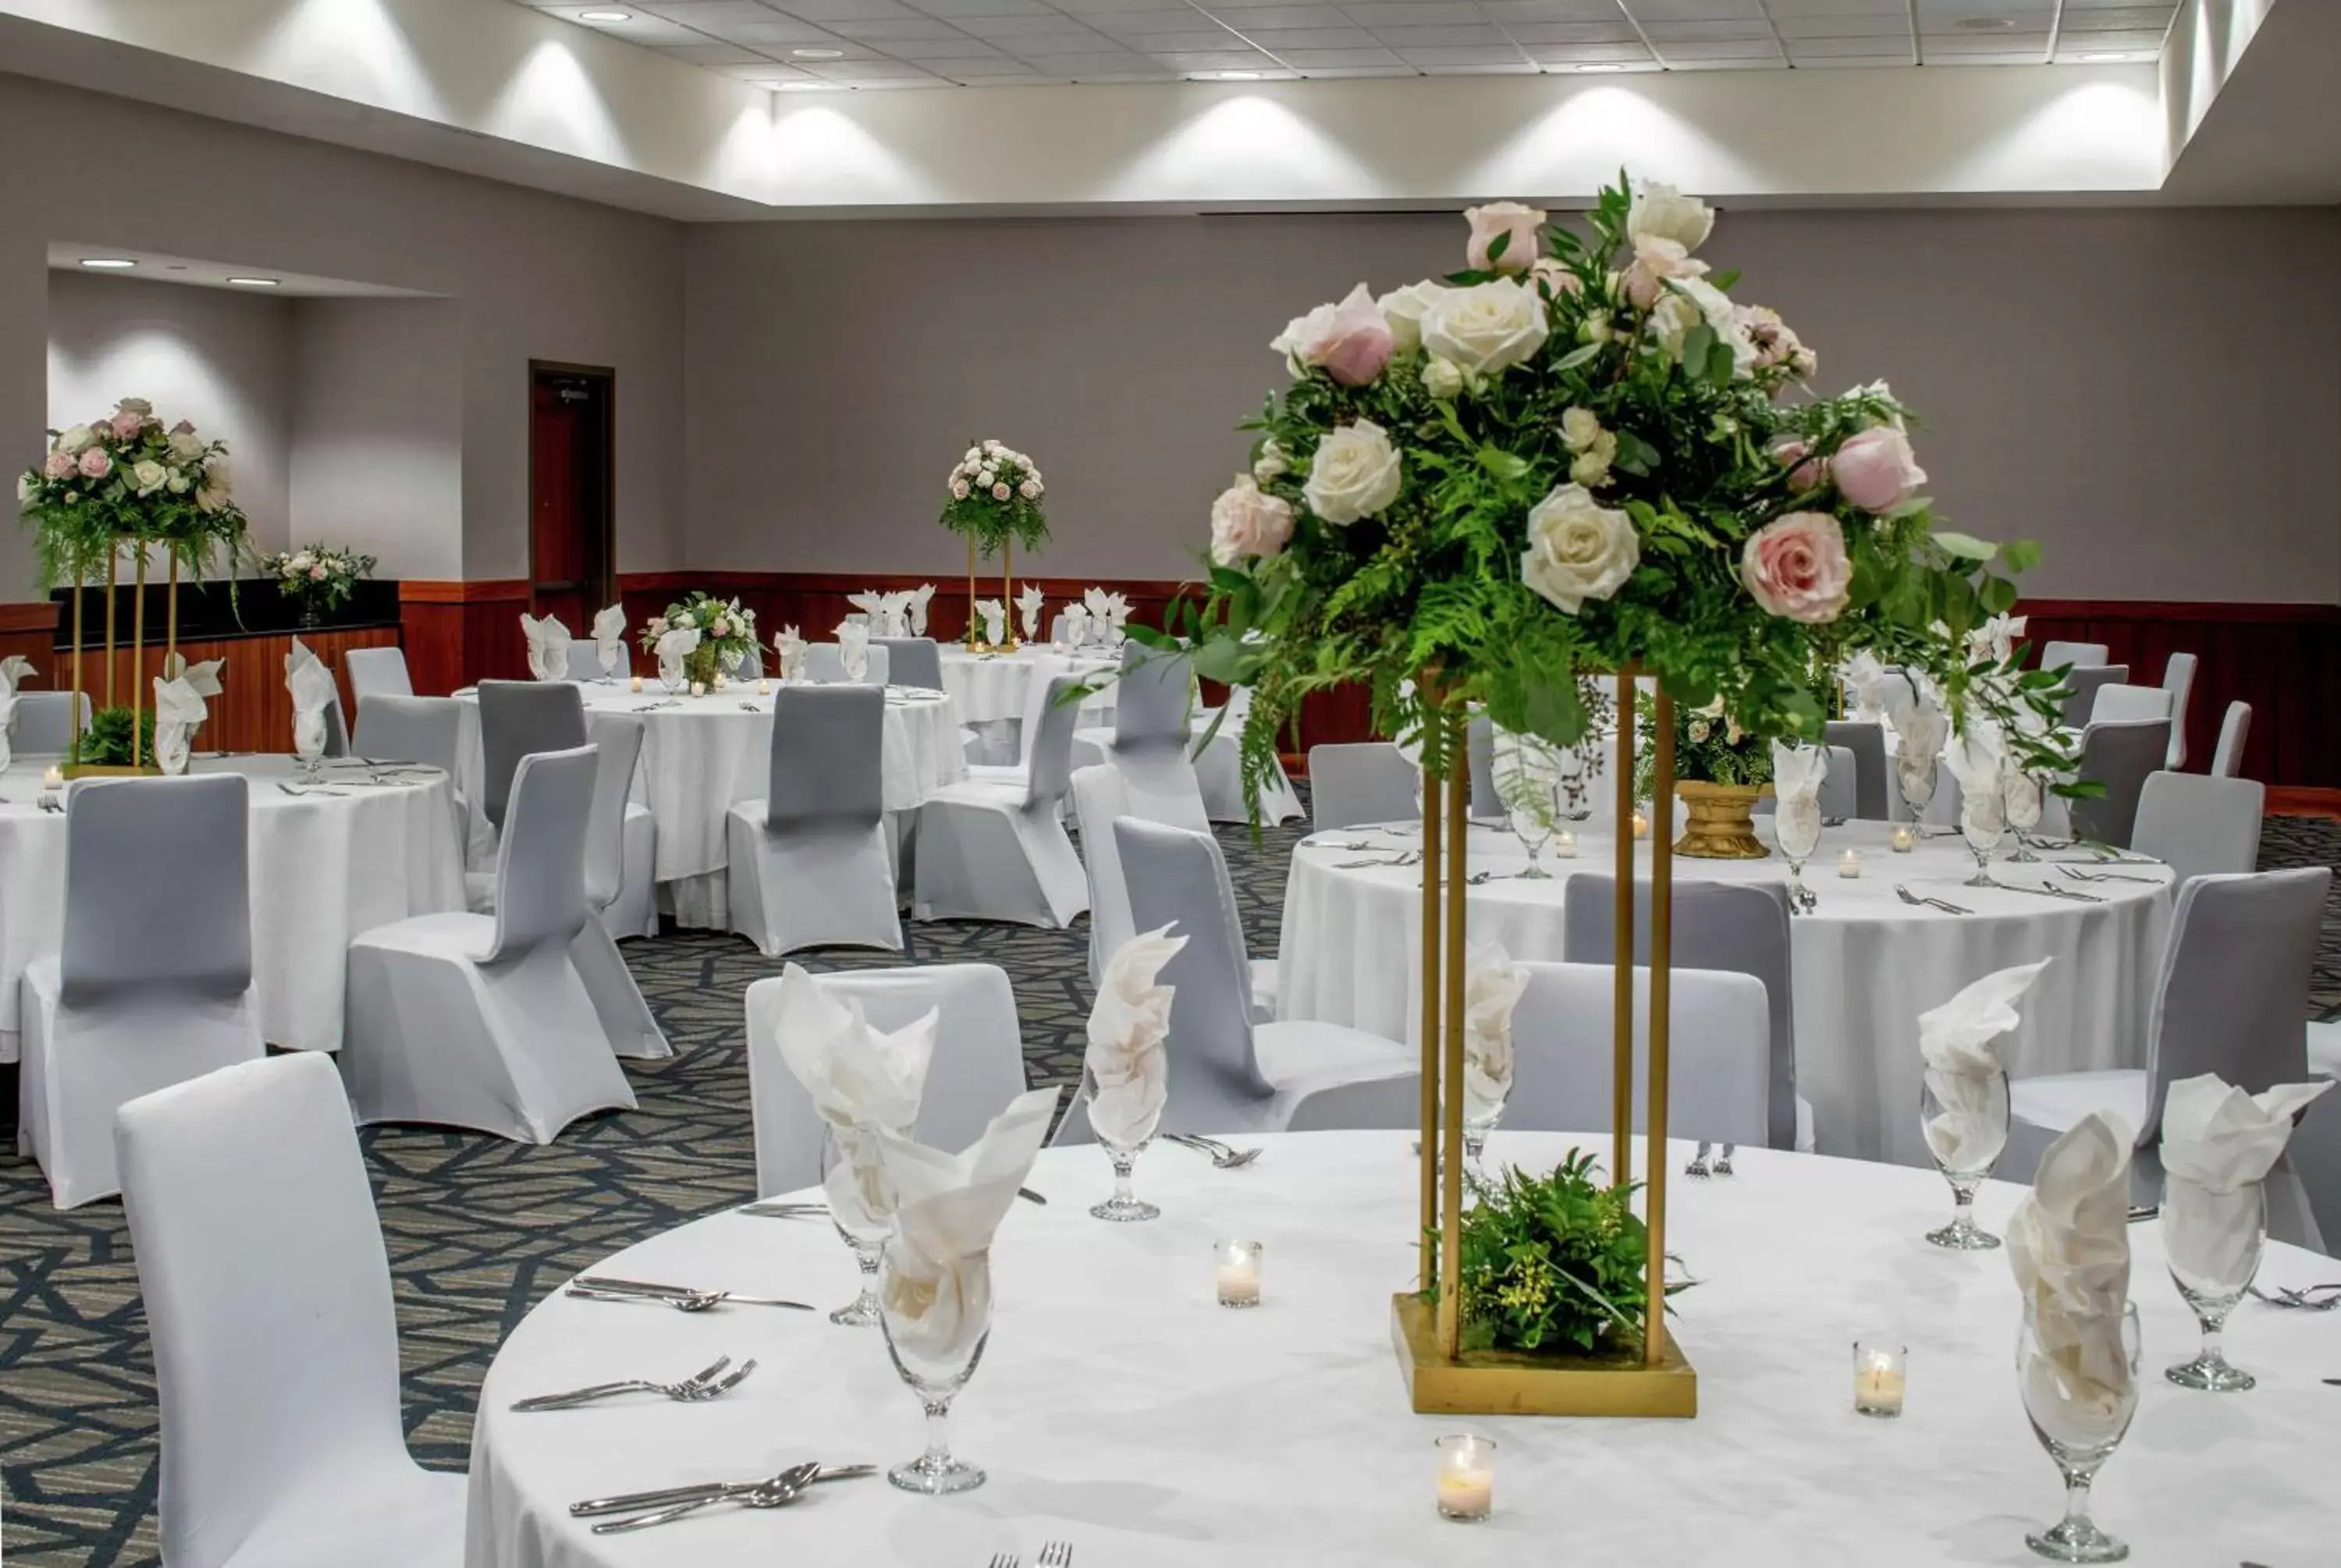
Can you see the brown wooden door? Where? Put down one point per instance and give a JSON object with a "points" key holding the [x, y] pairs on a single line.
{"points": [[570, 532]]}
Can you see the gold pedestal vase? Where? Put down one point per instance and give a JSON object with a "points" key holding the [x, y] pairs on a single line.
{"points": [[1721, 821]]}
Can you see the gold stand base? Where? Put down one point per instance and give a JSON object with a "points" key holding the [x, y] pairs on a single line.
{"points": [[105, 770], [1721, 820], [1514, 1383]]}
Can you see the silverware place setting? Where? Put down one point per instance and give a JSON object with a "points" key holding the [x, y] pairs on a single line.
{"points": [[1404, 857], [1902, 891], [1226, 1156], [1055, 1554], [297, 791], [2051, 890], [1723, 1160], [2308, 1298], [49, 802], [784, 1210], [2072, 869], [711, 1382], [675, 1501], [682, 1298], [1700, 1166], [1354, 846]]}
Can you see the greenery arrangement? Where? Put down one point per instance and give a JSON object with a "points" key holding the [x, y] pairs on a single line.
{"points": [[1580, 455], [727, 633], [106, 742], [1552, 1263], [993, 496], [125, 480], [316, 577]]}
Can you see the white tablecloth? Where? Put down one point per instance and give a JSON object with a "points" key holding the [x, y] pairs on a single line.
{"points": [[323, 869], [992, 687], [1116, 1407], [706, 755], [1866, 964]]}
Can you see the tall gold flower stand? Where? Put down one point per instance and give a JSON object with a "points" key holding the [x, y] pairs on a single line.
{"points": [[1651, 1379], [140, 763]]}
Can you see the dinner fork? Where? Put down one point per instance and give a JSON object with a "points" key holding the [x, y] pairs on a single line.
{"points": [[705, 1384], [2078, 875], [1005, 1560], [1902, 889], [2305, 1299], [1057, 1555], [1723, 1160], [1225, 1156], [1697, 1167], [2051, 890], [692, 1301]]}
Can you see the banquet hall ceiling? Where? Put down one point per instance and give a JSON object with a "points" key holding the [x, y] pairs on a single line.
{"points": [[809, 45]]}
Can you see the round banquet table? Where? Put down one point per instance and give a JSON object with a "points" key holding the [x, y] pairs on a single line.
{"points": [[1865, 964], [991, 689], [703, 755], [323, 868], [1118, 1408]]}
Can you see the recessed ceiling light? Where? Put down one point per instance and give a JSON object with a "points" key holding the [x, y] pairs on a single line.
{"points": [[1601, 67], [254, 283], [818, 53], [805, 86], [1227, 76], [2100, 55], [107, 263], [1986, 24], [605, 15]]}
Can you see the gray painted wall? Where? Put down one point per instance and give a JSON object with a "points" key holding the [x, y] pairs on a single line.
{"points": [[378, 431]]}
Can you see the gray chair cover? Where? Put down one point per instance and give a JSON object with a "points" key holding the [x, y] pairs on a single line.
{"points": [[541, 858], [1742, 927], [824, 666], [337, 728], [618, 1001], [2235, 730], [2179, 680], [2200, 825], [1872, 784], [1360, 781], [827, 757], [1480, 741], [808, 863], [1153, 737], [2120, 756], [125, 838], [42, 722], [520, 716], [1097, 799], [425, 730], [376, 672], [585, 660], [912, 662], [2055, 655], [2081, 684], [2119, 702]]}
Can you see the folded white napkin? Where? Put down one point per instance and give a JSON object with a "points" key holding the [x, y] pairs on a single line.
{"points": [[1978, 760], [674, 647], [14, 671], [179, 710], [1077, 623], [1028, 601], [898, 612], [2019, 795], [1492, 987], [1995, 638], [1093, 600], [548, 647], [862, 1081], [1960, 1043], [1128, 1024], [994, 619], [311, 685], [1864, 681], [1797, 774], [301, 654], [1920, 730], [2068, 1247], [610, 637], [2217, 1141], [937, 1293], [918, 607], [789, 645], [871, 602], [1117, 610], [853, 647]]}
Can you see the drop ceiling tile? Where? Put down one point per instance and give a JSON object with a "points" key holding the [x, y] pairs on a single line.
{"points": [[1314, 60], [645, 30], [843, 10], [977, 69], [952, 10], [1651, 13], [1774, 61], [2126, 39], [1553, 11], [1358, 72], [1097, 63], [1664, 33], [1183, 43], [1486, 68], [1403, 38], [865, 70], [711, 53], [1135, 24], [1851, 62], [1570, 32], [766, 74], [704, 13], [1588, 54], [1850, 48], [1284, 41], [778, 33], [1103, 8], [1286, 16], [1936, 44], [1713, 49], [1379, 16], [1898, 9], [925, 49], [1463, 54], [887, 31], [1220, 60], [1895, 26], [1032, 26], [1042, 46]]}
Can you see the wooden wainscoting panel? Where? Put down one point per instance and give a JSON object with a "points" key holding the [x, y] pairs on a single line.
{"points": [[31, 629], [254, 711], [455, 633]]}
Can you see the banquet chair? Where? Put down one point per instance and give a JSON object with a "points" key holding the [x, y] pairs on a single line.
{"points": [[2233, 990], [2199, 825], [1218, 767], [1738, 927], [144, 991], [2314, 1156], [2119, 703], [1873, 785], [1152, 735], [1228, 1073], [2179, 680], [421, 729], [618, 911], [1480, 746], [518, 718], [977, 1068], [1355, 782], [2056, 655], [1038, 692], [337, 728], [482, 1021], [376, 672], [810, 864], [43, 722], [995, 849], [2227, 761], [1718, 1045], [2080, 688], [585, 660], [268, 1299], [825, 666], [2119, 755], [1840, 786], [912, 662]]}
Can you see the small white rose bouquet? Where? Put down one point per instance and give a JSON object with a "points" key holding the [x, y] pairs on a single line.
{"points": [[317, 578], [727, 634]]}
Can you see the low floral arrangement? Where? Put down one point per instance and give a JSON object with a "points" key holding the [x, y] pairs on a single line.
{"points": [[1580, 455], [993, 497], [106, 742], [1553, 1263], [727, 633], [127, 479], [316, 577]]}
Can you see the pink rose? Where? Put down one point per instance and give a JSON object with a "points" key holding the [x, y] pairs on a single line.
{"points": [[1656, 260], [1247, 521], [722, 626], [60, 465], [317, 574], [1353, 341], [1876, 470], [1522, 223], [126, 424], [958, 489], [96, 464], [1556, 277], [1000, 492], [1797, 568], [1805, 474]]}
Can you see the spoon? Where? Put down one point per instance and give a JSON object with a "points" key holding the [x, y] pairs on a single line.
{"points": [[692, 1301], [778, 1491]]}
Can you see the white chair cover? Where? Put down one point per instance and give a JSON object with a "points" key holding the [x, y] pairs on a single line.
{"points": [[144, 992], [2081, 685], [267, 1293], [2053, 655], [2118, 703], [482, 1021], [425, 730], [808, 864], [2235, 730], [2179, 680], [2200, 825], [1151, 734], [996, 849], [376, 672], [978, 1066], [42, 723], [1219, 768], [1097, 799], [824, 666], [1360, 781], [1045, 668], [2119, 755], [626, 1017]]}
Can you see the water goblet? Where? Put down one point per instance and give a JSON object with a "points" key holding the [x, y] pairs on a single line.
{"points": [[2021, 795], [2080, 1411], [309, 743], [1964, 1118], [2214, 1240], [1531, 822], [610, 656], [672, 673], [936, 1329], [1798, 826], [862, 1207], [1122, 1143], [1981, 826], [1918, 782]]}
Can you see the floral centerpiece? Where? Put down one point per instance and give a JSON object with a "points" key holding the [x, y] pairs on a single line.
{"points": [[317, 578], [727, 634], [992, 500], [1552, 1261]]}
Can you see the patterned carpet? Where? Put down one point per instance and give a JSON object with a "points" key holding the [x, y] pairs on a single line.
{"points": [[478, 1229]]}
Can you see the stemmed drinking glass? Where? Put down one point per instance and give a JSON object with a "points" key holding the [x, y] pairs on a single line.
{"points": [[2081, 1422], [609, 656], [672, 673], [1964, 1118], [862, 1207], [936, 1345], [1123, 1148], [2213, 1240], [2021, 795], [1798, 826], [1918, 782], [1981, 825], [309, 743], [1528, 782]]}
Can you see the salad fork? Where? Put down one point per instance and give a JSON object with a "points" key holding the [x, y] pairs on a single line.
{"points": [[1225, 1156], [2078, 875], [1723, 1160], [1902, 890], [706, 1384], [1697, 1167], [1057, 1555]]}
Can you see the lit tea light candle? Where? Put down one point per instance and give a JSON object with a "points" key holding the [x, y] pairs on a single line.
{"points": [[763, 688], [1848, 865], [1564, 844], [722, 680], [1905, 837], [699, 689], [1467, 1477], [1641, 825], [53, 776], [1878, 1378], [1239, 1272], [636, 683]]}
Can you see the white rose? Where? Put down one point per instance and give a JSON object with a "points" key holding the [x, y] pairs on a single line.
{"points": [[1441, 380], [186, 448], [973, 454], [177, 483], [77, 440], [1404, 310], [1354, 474], [1722, 314], [28, 485], [301, 562], [1661, 212], [987, 479], [1271, 463], [149, 476], [1487, 328], [1590, 467], [1578, 428], [1594, 328], [680, 620], [216, 477], [1578, 549]]}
